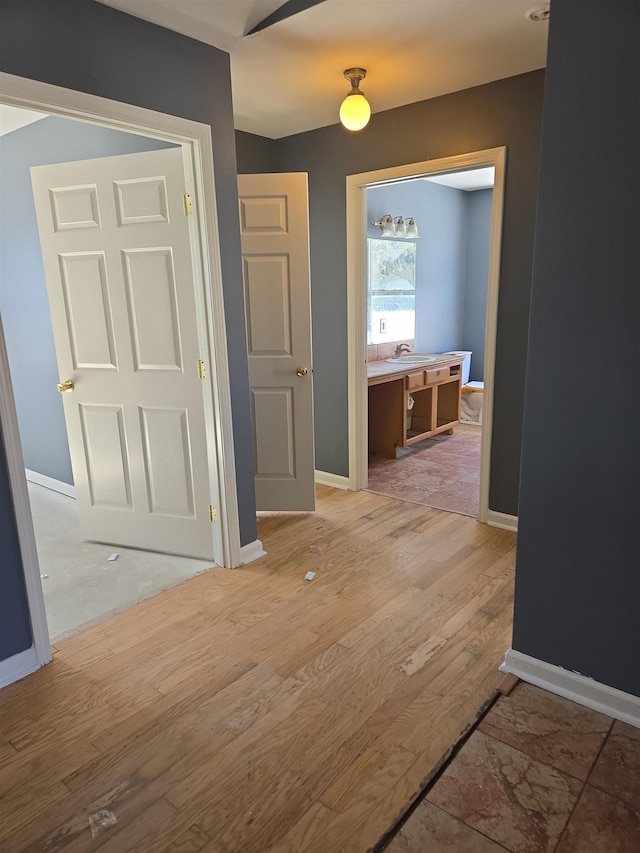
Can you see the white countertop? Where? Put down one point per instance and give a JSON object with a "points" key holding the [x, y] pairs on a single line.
{"points": [[376, 369]]}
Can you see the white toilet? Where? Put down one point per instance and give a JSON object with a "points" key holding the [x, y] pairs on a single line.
{"points": [[472, 392]]}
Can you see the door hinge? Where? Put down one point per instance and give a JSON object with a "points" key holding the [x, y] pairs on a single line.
{"points": [[188, 204], [202, 369], [213, 514]]}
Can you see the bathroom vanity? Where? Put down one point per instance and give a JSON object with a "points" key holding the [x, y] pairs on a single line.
{"points": [[435, 388]]}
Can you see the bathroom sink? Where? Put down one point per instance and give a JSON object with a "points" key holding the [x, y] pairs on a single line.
{"points": [[413, 358]]}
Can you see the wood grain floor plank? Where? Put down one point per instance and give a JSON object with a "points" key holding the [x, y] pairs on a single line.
{"points": [[250, 710], [311, 825], [192, 840]]}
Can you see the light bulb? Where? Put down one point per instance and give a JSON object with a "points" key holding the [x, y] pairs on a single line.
{"points": [[412, 228], [388, 228], [355, 112], [401, 228]]}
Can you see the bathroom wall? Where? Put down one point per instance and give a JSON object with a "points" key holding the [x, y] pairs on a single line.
{"points": [[476, 278], [451, 262], [23, 290]]}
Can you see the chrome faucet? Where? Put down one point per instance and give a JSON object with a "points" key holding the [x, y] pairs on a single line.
{"points": [[400, 349]]}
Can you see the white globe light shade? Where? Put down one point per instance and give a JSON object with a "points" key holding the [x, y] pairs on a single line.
{"points": [[355, 112]]}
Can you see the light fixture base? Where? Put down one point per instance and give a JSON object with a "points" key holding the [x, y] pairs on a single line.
{"points": [[355, 75]]}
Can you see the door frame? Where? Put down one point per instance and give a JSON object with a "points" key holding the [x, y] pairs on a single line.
{"points": [[195, 141], [357, 303], [39, 653]]}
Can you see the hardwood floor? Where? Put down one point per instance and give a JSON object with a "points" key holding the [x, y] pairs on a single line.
{"points": [[252, 710]]}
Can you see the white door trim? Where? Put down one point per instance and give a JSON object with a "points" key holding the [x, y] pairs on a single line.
{"points": [[195, 139], [24, 523], [357, 304]]}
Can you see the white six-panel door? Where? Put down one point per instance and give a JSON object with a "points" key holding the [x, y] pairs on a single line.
{"points": [[274, 225], [116, 248]]}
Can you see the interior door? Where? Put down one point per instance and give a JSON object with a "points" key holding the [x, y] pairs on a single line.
{"points": [[116, 248], [274, 224]]}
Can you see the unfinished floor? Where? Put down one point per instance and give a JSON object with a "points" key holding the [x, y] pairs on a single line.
{"points": [[442, 472], [80, 583], [252, 710], [539, 773]]}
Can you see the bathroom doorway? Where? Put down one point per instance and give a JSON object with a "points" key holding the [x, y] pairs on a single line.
{"points": [[427, 274], [470, 442]]}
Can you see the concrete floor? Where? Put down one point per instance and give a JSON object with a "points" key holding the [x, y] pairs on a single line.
{"points": [[81, 586]]}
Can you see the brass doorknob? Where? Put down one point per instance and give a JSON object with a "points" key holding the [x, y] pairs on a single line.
{"points": [[65, 386], [302, 370]]}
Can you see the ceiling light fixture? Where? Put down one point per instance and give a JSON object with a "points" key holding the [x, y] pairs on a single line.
{"points": [[355, 110]]}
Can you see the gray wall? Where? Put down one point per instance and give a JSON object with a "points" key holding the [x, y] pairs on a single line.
{"points": [[476, 278], [23, 289], [15, 626], [507, 113], [578, 572], [256, 155], [93, 48]]}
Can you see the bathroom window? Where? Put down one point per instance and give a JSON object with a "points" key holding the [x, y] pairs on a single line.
{"points": [[391, 291]]}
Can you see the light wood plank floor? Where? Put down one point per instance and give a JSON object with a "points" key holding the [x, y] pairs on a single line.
{"points": [[252, 710]]}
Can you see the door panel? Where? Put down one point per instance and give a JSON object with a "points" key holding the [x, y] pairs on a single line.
{"points": [[117, 253], [88, 310], [153, 310], [167, 459], [75, 207], [274, 224], [268, 300], [107, 458]]}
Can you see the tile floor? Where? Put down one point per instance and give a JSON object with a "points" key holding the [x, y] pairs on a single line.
{"points": [[441, 472], [80, 584], [538, 774]]}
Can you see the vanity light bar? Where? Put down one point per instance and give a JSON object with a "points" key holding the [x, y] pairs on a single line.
{"points": [[398, 226]]}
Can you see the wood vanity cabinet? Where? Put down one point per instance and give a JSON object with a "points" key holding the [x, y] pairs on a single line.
{"points": [[436, 393]]}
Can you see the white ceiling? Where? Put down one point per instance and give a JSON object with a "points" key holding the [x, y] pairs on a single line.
{"points": [[475, 179], [13, 118], [288, 78]]}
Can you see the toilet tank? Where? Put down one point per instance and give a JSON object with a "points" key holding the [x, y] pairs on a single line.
{"points": [[466, 363]]}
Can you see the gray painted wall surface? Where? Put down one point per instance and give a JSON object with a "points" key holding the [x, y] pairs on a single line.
{"points": [[577, 574], [15, 626], [23, 289], [476, 278], [94, 48], [507, 113], [256, 155]]}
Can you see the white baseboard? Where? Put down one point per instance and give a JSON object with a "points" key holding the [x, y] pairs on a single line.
{"points": [[50, 483], [252, 551], [585, 691], [502, 520], [324, 478], [18, 666]]}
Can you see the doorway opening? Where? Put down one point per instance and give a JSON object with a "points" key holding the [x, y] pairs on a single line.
{"points": [[440, 340], [427, 294], [84, 580], [193, 140]]}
